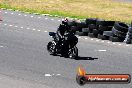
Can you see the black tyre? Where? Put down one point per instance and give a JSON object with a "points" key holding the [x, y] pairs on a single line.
{"points": [[103, 37], [91, 27], [81, 25], [130, 37], [120, 26], [118, 33], [105, 23], [107, 33], [95, 32], [115, 39], [91, 21], [130, 34], [85, 30], [81, 33], [81, 80], [91, 35], [74, 28], [72, 23], [130, 30], [51, 48], [73, 53], [104, 28], [128, 41]]}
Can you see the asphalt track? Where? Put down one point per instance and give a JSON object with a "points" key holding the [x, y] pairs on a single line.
{"points": [[25, 61]]}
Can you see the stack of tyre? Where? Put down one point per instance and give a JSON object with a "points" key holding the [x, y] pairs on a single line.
{"points": [[104, 29], [128, 39], [114, 31], [78, 26], [82, 29], [119, 32], [96, 28]]}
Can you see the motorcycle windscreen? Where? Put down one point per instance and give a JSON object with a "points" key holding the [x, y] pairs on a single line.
{"points": [[52, 33]]}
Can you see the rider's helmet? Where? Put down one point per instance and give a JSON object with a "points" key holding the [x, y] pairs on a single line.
{"points": [[62, 29], [65, 21]]}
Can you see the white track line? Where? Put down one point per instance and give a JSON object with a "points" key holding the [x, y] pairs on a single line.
{"points": [[92, 39], [28, 28], [48, 75], [10, 25], [5, 24], [1, 46], [127, 45], [119, 44], [102, 50], [16, 26], [58, 74], [102, 41], [97, 40], [46, 18], [33, 29], [21, 27], [45, 31], [52, 19], [86, 38], [108, 42]]}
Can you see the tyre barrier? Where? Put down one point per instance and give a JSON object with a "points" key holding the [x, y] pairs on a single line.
{"points": [[114, 39], [103, 37], [114, 31], [128, 39], [71, 23], [90, 21], [118, 33], [120, 26], [81, 25]]}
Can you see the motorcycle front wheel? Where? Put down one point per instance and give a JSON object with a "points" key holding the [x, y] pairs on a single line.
{"points": [[73, 53], [51, 48]]}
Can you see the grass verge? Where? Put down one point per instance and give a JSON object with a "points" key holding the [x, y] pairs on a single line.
{"points": [[105, 9]]}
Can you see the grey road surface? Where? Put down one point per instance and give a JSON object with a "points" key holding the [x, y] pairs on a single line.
{"points": [[25, 62]]}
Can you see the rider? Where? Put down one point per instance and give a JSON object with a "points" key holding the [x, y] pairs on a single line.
{"points": [[62, 29]]}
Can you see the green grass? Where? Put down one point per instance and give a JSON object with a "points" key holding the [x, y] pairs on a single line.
{"points": [[105, 9]]}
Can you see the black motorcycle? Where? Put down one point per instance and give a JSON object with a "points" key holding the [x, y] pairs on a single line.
{"points": [[67, 48]]}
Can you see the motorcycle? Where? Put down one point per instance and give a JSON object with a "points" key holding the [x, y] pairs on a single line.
{"points": [[67, 48]]}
